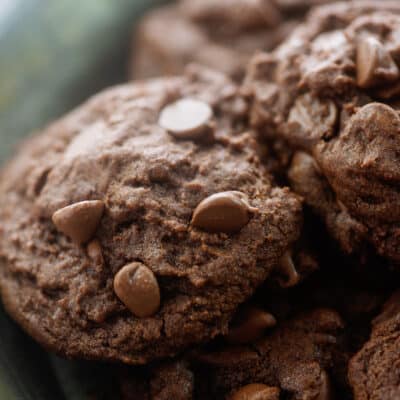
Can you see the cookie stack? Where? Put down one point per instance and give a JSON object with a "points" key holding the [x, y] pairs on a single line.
{"points": [[220, 237]]}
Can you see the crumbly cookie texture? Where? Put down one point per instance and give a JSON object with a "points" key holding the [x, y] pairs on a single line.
{"points": [[222, 34], [167, 380], [158, 268], [331, 92], [295, 360], [374, 372]]}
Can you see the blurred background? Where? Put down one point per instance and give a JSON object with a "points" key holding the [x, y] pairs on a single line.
{"points": [[53, 55]]}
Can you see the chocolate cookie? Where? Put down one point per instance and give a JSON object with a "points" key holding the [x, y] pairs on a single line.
{"points": [[374, 372], [331, 93], [222, 34], [294, 361], [134, 227], [168, 380]]}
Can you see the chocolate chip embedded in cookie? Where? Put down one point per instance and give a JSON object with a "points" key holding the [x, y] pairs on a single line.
{"points": [[137, 288], [190, 228], [256, 391], [79, 221], [186, 118], [374, 372], [221, 34], [175, 379], [374, 63], [297, 359], [222, 212], [249, 325], [331, 92]]}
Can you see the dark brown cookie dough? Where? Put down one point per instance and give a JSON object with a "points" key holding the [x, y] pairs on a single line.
{"points": [[153, 279], [297, 357], [221, 34], [331, 93], [374, 372], [165, 381], [278, 317], [295, 361]]}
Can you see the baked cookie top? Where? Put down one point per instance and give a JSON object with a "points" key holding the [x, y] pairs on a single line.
{"points": [[332, 91], [374, 372], [134, 226], [295, 360], [221, 34]]}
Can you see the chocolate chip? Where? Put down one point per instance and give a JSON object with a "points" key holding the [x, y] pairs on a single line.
{"points": [[288, 269], [375, 65], [137, 287], [256, 391], [187, 119], [250, 325], [79, 221], [224, 212]]}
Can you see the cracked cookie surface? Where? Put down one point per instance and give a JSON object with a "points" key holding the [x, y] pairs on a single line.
{"points": [[110, 168], [331, 92]]}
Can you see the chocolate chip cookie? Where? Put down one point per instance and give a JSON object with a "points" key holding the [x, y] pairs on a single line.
{"points": [[295, 361], [135, 226], [222, 34], [374, 372], [331, 94]]}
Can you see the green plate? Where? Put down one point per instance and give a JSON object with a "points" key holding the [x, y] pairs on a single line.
{"points": [[53, 55]]}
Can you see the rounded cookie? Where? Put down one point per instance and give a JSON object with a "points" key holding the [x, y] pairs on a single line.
{"points": [[295, 361], [331, 92], [160, 265], [221, 34], [374, 372]]}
